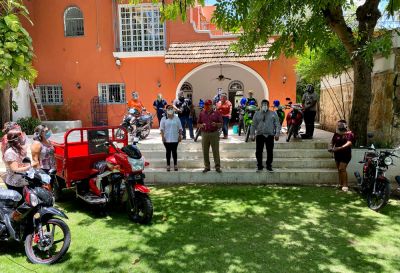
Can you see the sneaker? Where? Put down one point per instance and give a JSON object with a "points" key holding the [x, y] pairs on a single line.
{"points": [[270, 169], [168, 168], [206, 170], [218, 170], [175, 168]]}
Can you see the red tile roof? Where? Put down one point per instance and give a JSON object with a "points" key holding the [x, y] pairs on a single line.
{"points": [[210, 51]]}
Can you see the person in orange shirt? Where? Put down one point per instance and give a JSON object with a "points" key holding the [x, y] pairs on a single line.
{"points": [[135, 103], [224, 107]]}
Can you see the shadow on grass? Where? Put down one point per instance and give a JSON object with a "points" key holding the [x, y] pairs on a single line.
{"points": [[241, 229]]}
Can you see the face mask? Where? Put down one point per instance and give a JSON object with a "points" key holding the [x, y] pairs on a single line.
{"points": [[264, 108], [135, 97], [48, 134], [170, 112]]}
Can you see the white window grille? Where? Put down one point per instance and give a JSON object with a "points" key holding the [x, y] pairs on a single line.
{"points": [[187, 89], [73, 22], [141, 29], [50, 94], [111, 93]]}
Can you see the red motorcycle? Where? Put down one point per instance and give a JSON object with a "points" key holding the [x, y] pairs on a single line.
{"points": [[294, 120], [120, 179]]}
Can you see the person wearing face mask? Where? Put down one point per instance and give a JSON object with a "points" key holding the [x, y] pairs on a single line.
{"points": [[159, 105], [224, 107], [13, 127], [266, 128], [171, 134], [13, 157], [135, 103], [183, 106], [341, 144], [209, 122], [42, 150], [310, 99]]}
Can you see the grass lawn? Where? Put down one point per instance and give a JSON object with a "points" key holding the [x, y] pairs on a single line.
{"points": [[230, 229]]}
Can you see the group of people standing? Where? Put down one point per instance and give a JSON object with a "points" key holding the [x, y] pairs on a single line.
{"points": [[14, 148]]}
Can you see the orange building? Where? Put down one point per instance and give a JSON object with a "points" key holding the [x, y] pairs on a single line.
{"points": [[100, 48]]}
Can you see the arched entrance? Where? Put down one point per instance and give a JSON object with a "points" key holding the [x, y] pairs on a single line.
{"points": [[205, 80]]}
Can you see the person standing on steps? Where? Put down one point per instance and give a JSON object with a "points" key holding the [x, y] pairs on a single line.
{"points": [[224, 107], [310, 99], [209, 122], [171, 134], [266, 127], [341, 144], [182, 107], [159, 105]]}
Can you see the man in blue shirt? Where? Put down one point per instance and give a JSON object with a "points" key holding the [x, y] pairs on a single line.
{"points": [[159, 105]]}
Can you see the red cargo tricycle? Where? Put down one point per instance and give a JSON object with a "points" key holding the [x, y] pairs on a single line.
{"points": [[104, 170]]}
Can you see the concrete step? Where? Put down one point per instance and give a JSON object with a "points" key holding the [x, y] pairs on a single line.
{"points": [[191, 145], [279, 176], [249, 163], [242, 153]]}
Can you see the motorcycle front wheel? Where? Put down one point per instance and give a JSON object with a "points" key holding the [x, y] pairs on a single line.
{"points": [[120, 134], [380, 198], [144, 209], [55, 242]]}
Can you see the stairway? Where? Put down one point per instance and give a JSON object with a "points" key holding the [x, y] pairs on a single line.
{"points": [[37, 102], [298, 162]]}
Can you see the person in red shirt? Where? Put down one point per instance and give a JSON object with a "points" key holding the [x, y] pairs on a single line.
{"points": [[135, 103], [341, 144], [224, 107], [209, 122]]}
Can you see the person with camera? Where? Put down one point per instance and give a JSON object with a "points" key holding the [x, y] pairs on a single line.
{"points": [[182, 106]]}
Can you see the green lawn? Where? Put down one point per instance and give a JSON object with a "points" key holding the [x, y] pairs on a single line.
{"points": [[231, 229]]}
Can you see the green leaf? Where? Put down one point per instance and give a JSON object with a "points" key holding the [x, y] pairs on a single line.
{"points": [[12, 46], [12, 22], [20, 59]]}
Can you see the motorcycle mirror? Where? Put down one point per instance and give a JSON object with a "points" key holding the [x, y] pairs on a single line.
{"points": [[372, 146], [370, 135], [288, 99], [52, 172]]}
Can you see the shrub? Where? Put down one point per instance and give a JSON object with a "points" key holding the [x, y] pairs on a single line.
{"points": [[28, 125]]}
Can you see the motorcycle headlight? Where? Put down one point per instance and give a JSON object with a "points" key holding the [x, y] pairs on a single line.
{"points": [[388, 161]]}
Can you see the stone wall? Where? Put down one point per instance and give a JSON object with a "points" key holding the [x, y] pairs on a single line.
{"points": [[384, 118]]}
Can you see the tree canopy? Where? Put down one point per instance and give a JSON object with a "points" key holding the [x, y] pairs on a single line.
{"points": [[16, 52]]}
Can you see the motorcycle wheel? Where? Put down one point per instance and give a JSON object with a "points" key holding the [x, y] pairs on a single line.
{"points": [[378, 200], [120, 134], [248, 133], [290, 133], [196, 136], [56, 231], [145, 209], [145, 132]]}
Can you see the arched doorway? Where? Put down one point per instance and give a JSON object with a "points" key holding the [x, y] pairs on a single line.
{"points": [[205, 80]]}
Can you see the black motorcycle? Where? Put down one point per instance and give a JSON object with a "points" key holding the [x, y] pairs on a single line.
{"points": [[137, 124], [33, 220], [373, 183]]}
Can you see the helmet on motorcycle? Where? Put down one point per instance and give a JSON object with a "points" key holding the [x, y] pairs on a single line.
{"points": [[243, 101], [277, 103], [132, 151], [252, 102], [201, 103], [133, 111]]}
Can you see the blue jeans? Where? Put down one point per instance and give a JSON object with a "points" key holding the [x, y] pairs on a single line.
{"points": [[189, 122], [225, 126]]}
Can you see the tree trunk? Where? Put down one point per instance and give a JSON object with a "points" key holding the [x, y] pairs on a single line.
{"points": [[361, 100], [5, 105]]}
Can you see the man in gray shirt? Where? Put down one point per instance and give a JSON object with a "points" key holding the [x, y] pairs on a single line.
{"points": [[266, 127], [310, 99]]}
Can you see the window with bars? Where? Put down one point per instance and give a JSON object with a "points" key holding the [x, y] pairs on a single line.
{"points": [[50, 94], [111, 93], [73, 22], [141, 29]]}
